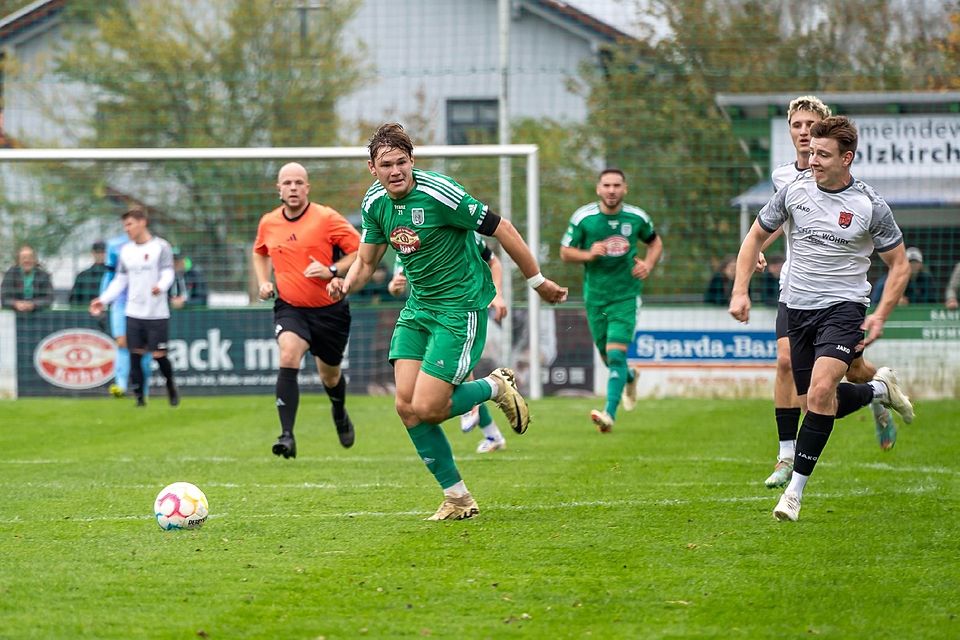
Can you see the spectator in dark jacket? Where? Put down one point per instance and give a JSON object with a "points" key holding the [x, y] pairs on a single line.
{"points": [[769, 287], [721, 284], [189, 285], [86, 287], [920, 289], [26, 286]]}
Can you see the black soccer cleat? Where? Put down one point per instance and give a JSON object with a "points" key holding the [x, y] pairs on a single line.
{"points": [[141, 402], [285, 446], [174, 397], [344, 429]]}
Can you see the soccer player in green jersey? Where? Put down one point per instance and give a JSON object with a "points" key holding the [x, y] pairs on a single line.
{"points": [[429, 219], [493, 440], [603, 236]]}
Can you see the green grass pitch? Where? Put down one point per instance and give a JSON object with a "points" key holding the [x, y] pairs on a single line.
{"points": [[662, 529]]}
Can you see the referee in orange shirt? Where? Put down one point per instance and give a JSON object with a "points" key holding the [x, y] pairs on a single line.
{"points": [[307, 244]]}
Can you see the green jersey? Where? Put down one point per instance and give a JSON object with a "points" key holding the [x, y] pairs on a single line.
{"points": [[432, 230], [609, 278]]}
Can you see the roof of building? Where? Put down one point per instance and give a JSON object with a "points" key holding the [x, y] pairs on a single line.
{"points": [[858, 98], [559, 13], [28, 16]]}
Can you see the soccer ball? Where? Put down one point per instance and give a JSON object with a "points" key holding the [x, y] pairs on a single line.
{"points": [[180, 505]]}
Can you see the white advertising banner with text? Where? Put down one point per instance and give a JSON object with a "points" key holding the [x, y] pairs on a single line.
{"points": [[914, 146]]}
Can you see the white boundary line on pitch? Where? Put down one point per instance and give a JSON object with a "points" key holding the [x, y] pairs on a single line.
{"points": [[507, 457], [575, 504], [56, 484]]}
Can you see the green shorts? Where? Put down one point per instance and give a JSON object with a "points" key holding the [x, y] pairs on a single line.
{"points": [[615, 322], [448, 344]]}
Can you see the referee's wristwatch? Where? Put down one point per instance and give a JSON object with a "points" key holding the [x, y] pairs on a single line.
{"points": [[334, 272]]}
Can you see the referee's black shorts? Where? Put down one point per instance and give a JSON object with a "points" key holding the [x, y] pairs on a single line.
{"points": [[325, 329], [833, 332]]}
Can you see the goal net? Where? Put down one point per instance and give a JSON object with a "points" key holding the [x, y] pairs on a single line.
{"points": [[207, 203]]}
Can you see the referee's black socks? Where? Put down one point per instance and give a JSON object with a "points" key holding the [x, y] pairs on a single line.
{"points": [[288, 397], [338, 396]]}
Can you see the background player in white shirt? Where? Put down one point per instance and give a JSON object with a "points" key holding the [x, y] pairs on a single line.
{"points": [[145, 273], [835, 223]]}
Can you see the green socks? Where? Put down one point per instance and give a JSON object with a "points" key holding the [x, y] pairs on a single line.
{"points": [[617, 363], [434, 450], [485, 417], [468, 395]]}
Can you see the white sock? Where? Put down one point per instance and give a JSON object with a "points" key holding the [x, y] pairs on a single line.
{"points": [[797, 483], [879, 390], [788, 449], [492, 431], [456, 491], [494, 386]]}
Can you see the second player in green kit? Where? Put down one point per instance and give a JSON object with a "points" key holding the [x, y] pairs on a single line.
{"points": [[603, 236]]}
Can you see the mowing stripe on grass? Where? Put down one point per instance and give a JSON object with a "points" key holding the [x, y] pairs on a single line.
{"points": [[487, 507]]}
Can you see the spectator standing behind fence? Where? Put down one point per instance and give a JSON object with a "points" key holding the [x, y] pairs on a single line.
{"points": [[189, 287], [769, 286], [920, 288], [26, 286], [721, 284], [86, 286], [953, 288]]}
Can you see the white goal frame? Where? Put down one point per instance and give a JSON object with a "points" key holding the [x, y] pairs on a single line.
{"points": [[528, 151]]}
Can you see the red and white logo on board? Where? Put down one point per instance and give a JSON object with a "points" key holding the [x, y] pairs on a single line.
{"points": [[75, 358]]}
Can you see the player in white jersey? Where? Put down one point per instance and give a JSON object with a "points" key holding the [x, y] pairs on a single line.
{"points": [[145, 273], [836, 222], [117, 318], [802, 114]]}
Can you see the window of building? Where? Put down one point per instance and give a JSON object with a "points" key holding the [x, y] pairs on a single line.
{"points": [[472, 121]]}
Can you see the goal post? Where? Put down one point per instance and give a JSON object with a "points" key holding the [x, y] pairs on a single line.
{"points": [[123, 157]]}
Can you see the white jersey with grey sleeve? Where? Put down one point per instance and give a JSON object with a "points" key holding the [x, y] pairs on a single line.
{"points": [[783, 175], [831, 236], [140, 268]]}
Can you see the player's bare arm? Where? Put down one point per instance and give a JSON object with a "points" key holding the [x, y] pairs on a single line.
{"points": [[580, 256], [261, 267], [762, 260], [360, 272], [746, 265], [498, 304], [516, 248], [643, 268], [317, 269], [397, 284], [898, 276]]}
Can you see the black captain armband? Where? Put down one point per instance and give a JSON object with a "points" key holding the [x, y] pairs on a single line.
{"points": [[653, 236], [489, 224]]}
